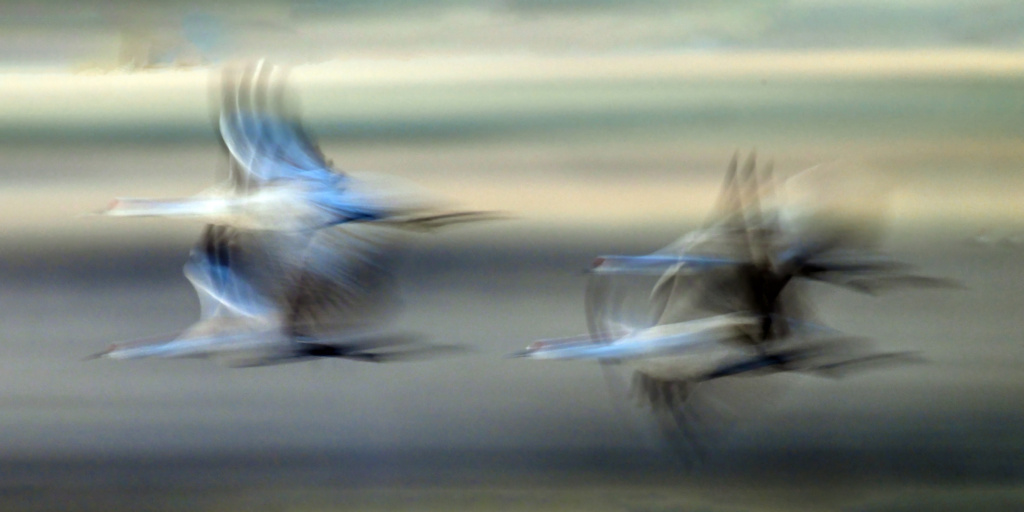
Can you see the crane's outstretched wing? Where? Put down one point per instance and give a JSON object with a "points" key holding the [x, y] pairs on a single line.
{"points": [[221, 270], [320, 282], [264, 139], [344, 281]]}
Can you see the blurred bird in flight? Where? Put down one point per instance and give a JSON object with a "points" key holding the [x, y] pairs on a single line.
{"points": [[295, 260], [724, 300], [278, 178]]}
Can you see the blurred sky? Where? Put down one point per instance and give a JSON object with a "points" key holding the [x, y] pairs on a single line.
{"points": [[602, 127], [107, 34]]}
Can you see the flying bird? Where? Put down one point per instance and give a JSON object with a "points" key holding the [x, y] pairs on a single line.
{"points": [[268, 298], [278, 178], [725, 300], [295, 261]]}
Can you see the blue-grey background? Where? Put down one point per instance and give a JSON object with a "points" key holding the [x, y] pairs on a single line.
{"points": [[601, 128]]}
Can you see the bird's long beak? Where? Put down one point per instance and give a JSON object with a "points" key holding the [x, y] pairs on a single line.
{"points": [[520, 353], [99, 355]]}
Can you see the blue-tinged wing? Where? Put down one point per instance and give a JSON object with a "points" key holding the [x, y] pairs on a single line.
{"points": [[261, 136], [656, 264], [316, 284], [331, 281], [218, 268], [270, 147]]}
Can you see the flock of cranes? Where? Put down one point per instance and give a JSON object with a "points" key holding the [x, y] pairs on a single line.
{"points": [[294, 264]]}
